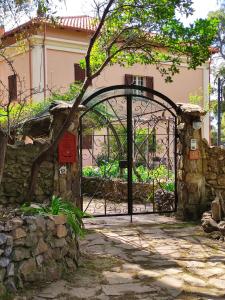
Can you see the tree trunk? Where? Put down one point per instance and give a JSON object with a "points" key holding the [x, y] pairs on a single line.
{"points": [[3, 146], [45, 153]]}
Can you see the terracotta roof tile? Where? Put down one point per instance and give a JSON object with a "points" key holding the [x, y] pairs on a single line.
{"points": [[83, 23], [79, 22]]}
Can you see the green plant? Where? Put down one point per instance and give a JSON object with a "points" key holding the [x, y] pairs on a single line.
{"points": [[169, 186], [111, 169], [58, 206]]}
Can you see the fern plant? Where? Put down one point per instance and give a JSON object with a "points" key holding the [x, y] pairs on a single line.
{"points": [[58, 206]]}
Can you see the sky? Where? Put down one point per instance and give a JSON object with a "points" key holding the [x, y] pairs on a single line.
{"points": [[84, 7]]}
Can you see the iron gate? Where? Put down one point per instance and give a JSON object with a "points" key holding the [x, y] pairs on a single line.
{"points": [[128, 147]]}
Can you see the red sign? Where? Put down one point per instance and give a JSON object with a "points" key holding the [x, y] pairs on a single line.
{"points": [[194, 154], [67, 150]]}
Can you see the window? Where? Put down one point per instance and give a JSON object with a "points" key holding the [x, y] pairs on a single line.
{"points": [[12, 87], [79, 73], [138, 80], [147, 81]]}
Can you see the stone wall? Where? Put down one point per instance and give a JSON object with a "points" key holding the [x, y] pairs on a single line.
{"points": [[115, 189], [214, 171], [199, 180], [35, 249], [18, 164]]}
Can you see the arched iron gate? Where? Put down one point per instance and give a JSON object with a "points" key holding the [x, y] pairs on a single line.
{"points": [[128, 152]]}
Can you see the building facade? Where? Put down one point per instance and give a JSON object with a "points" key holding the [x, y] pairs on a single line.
{"points": [[47, 59]]}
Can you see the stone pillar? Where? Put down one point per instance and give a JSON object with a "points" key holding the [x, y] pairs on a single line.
{"points": [[67, 177], [191, 178]]}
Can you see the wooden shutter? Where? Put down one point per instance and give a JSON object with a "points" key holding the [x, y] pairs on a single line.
{"points": [[79, 73], [12, 86], [150, 85], [128, 79], [86, 141]]}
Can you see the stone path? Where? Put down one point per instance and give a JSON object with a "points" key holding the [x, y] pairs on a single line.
{"points": [[153, 258]]}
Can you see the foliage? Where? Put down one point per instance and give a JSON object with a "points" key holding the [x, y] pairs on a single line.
{"points": [[69, 95], [219, 40], [111, 170], [57, 206], [169, 186], [144, 142], [134, 30], [17, 10]]}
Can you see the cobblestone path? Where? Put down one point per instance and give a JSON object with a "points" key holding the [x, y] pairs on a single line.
{"points": [[157, 258]]}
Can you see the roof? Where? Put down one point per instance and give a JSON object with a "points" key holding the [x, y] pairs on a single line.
{"points": [[78, 23]]}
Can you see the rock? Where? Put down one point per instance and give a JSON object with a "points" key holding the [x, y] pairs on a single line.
{"points": [[20, 253], [16, 222], [70, 263], [50, 225], [4, 261], [208, 224], [2, 290], [8, 251], [19, 233], [39, 260], [10, 285], [3, 238], [31, 240], [41, 247], [61, 231], [216, 209], [58, 243], [40, 223], [9, 241], [10, 269], [221, 227], [216, 235], [59, 219], [27, 268], [2, 274]]}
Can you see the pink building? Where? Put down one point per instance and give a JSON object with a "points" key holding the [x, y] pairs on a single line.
{"points": [[48, 59]]}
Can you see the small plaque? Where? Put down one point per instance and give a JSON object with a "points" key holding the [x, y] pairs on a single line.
{"points": [[194, 154]]}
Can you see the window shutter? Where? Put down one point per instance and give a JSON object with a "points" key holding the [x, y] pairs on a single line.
{"points": [[87, 142], [12, 86], [79, 73], [150, 85], [128, 79]]}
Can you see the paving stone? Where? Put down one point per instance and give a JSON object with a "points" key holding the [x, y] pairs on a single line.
{"points": [[192, 280], [141, 253], [116, 278], [218, 283], [145, 274], [173, 285], [131, 267], [119, 289], [98, 241], [211, 271]]}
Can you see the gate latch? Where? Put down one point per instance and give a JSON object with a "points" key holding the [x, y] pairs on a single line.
{"points": [[123, 164]]}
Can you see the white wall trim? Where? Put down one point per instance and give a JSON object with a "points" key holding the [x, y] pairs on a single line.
{"points": [[206, 121]]}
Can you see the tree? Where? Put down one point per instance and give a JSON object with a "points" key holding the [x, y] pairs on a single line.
{"points": [[135, 31]]}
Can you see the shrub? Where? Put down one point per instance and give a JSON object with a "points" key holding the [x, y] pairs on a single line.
{"points": [[58, 206]]}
